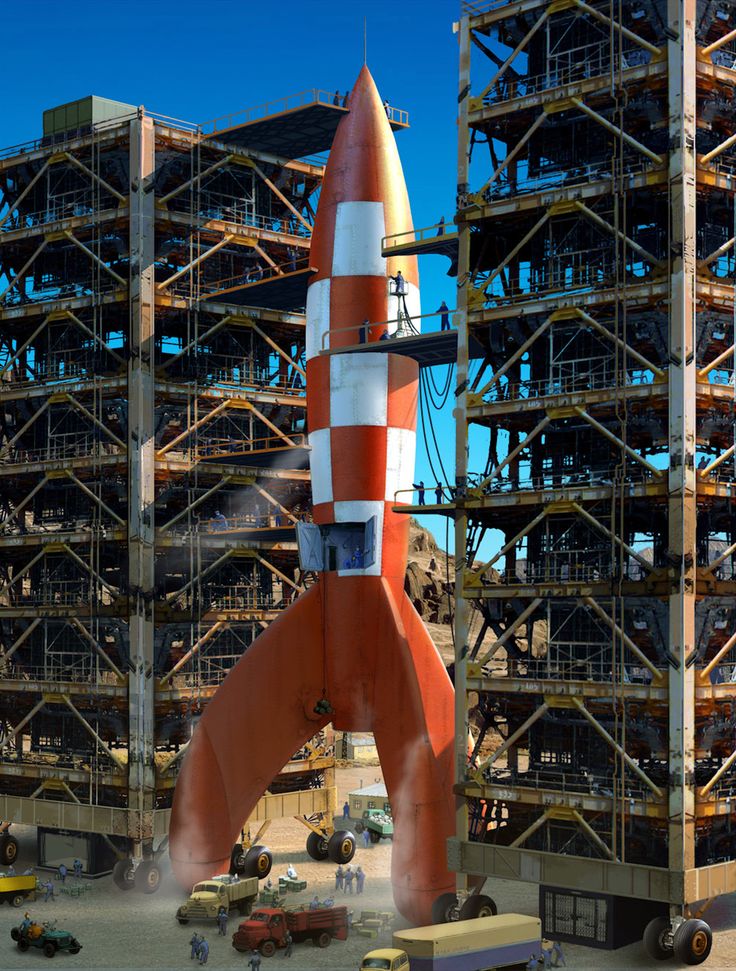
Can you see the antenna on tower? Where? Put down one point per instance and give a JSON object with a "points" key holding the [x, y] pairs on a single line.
{"points": [[365, 40]]}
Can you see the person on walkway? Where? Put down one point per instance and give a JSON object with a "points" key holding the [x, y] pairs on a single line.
{"points": [[366, 838], [359, 880], [419, 486], [441, 226], [445, 318], [387, 108], [204, 951], [62, 872], [346, 810], [438, 493], [349, 879], [289, 941], [339, 878], [314, 903], [219, 522], [222, 922], [255, 959], [194, 942], [11, 871], [77, 868], [336, 99], [291, 872], [49, 888]]}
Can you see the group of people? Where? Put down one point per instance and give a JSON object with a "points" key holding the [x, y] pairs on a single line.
{"points": [[438, 492], [344, 879], [200, 948]]}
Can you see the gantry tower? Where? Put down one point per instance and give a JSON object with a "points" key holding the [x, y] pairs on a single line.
{"points": [[596, 439], [152, 452]]}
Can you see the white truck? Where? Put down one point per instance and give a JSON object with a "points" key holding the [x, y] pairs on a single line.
{"points": [[482, 944]]}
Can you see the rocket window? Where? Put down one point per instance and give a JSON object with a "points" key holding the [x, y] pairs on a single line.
{"points": [[336, 546]]}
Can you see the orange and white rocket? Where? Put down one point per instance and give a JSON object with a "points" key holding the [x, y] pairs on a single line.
{"points": [[353, 640]]}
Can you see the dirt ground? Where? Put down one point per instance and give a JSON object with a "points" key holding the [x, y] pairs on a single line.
{"points": [[130, 930]]}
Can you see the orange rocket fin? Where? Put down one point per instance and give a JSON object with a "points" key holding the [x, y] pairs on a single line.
{"points": [[413, 726], [261, 714]]}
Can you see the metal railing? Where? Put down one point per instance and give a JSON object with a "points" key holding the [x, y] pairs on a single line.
{"points": [[563, 782], [249, 278], [291, 102], [567, 669], [404, 327], [241, 446], [437, 231], [504, 390], [50, 453]]}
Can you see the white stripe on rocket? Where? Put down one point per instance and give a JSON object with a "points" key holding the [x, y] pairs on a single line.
{"points": [[400, 452], [360, 511], [358, 389], [359, 230], [318, 317], [320, 464]]}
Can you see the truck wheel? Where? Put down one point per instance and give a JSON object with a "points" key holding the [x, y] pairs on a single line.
{"points": [[374, 836], [258, 862], [445, 909], [122, 874], [359, 827], [237, 860], [693, 942], [478, 906], [17, 900], [147, 877], [655, 943], [317, 847], [268, 949], [323, 939], [15, 933], [23, 944], [244, 907], [75, 950], [8, 850], [341, 846], [49, 949]]}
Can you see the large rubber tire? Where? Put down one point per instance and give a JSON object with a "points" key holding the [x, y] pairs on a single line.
{"points": [[15, 933], [341, 846], [147, 877], [693, 942], [74, 950], [445, 909], [23, 944], [122, 875], [8, 850], [478, 906], [183, 920], [244, 907], [237, 860], [49, 949], [654, 943], [374, 836], [323, 940], [359, 827], [268, 949], [317, 847], [258, 862]]}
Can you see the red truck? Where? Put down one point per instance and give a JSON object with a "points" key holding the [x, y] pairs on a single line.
{"points": [[266, 928]]}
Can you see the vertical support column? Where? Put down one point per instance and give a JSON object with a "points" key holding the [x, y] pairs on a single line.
{"points": [[141, 460], [462, 608], [682, 506]]}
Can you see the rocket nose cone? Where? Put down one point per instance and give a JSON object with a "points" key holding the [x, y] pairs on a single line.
{"points": [[365, 102]]}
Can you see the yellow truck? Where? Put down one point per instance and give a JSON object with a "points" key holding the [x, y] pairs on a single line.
{"points": [[17, 889], [208, 896], [482, 944]]}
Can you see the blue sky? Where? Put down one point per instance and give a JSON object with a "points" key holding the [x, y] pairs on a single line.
{"points": [[197, 60]]}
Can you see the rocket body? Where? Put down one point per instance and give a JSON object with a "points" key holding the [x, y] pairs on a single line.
{"points": [[353, 638]]}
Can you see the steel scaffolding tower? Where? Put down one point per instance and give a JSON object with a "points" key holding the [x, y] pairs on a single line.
{"points": [[595, 269], [152, 454]]}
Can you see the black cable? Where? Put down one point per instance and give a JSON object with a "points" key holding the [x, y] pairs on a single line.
{"points": [[445, 477]]}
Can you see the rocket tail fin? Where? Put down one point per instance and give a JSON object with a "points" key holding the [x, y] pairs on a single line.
{"points": [[414, 729], [261, 714]]}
